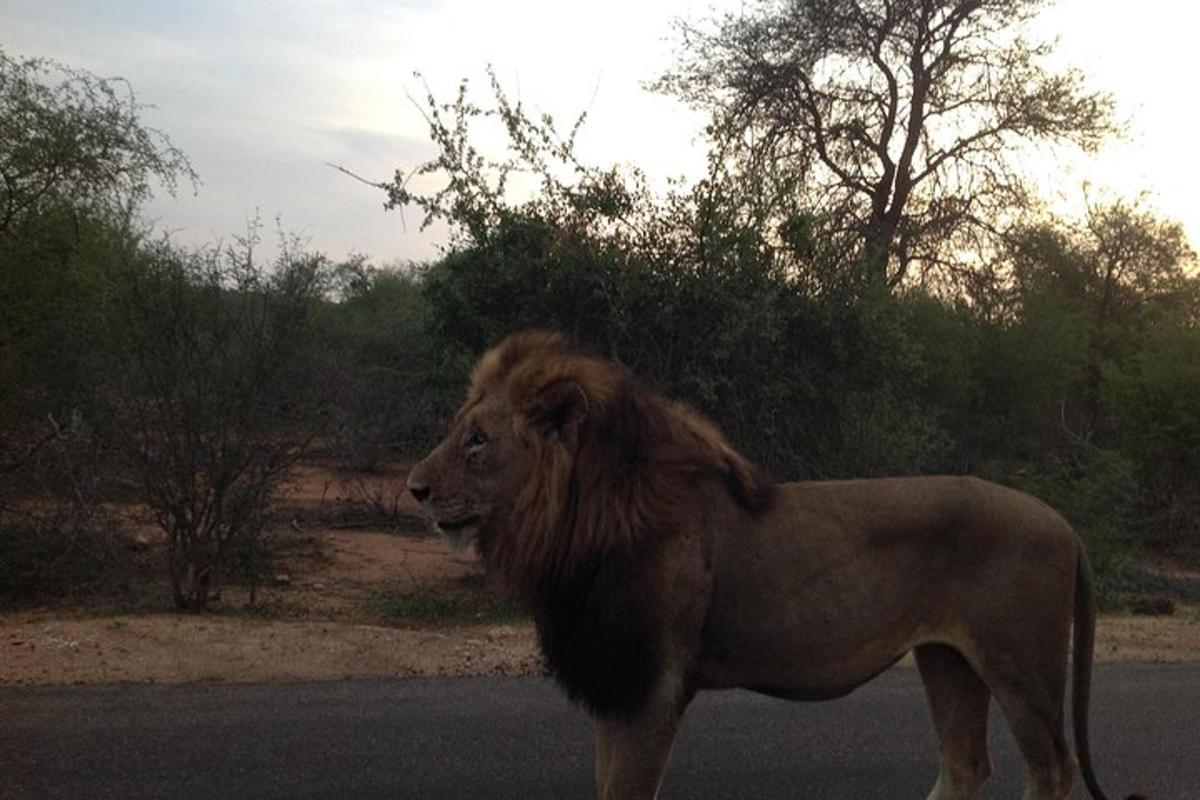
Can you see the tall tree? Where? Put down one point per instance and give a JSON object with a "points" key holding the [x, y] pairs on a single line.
{"points": [[900, 122]]}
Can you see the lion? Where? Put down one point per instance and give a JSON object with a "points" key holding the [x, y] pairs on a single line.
{"points": [[658, 562]]}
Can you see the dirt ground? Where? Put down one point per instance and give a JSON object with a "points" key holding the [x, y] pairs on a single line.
{"points": [[325, 611]]}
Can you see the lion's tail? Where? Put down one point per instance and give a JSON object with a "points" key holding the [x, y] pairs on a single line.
{"points": [[1085, 639]]}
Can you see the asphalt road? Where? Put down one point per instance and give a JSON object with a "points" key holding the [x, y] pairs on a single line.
{"points": [[517, 738]]}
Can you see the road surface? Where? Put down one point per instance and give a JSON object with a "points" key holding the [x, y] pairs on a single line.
{"points": [[518, 738]]}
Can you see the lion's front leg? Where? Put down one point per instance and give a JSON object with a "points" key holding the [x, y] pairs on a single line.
{"points": [[632, 752]]}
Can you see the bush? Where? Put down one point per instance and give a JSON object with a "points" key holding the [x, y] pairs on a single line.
{"points": [[1156, 405], [220, 388], [397, 383], [1096, 491], [57, 539]]}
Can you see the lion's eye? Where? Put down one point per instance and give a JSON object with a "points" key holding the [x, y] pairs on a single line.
{"points": [[475, 440]]}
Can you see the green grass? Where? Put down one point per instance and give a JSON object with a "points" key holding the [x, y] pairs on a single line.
{"points": [[1141, 590], [463, 606]]}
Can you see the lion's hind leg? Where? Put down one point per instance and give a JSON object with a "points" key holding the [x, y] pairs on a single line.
{"points": [[958, 700], [1024, 663], [1038, 729]]}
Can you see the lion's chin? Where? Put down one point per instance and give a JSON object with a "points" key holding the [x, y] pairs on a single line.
{"points": [[460, 534]]}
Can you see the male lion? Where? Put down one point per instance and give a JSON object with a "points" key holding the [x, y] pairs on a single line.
{"points": [[659, 562]]}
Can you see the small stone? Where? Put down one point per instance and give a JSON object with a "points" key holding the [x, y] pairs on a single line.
{"points": [[283, 579]]}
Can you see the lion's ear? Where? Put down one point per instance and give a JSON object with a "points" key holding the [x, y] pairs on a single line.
{"points": [[560, 408]]}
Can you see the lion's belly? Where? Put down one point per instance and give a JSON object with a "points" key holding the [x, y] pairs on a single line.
{"points": [[829, 688], [801, 662]]}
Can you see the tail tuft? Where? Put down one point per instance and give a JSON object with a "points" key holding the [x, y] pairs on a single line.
{"points": [[1085, 636]]}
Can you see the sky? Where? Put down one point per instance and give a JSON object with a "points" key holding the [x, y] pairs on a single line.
{"points": [[263, 94]]}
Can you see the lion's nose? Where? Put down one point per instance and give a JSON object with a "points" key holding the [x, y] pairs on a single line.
{"points": [[419, 491]]}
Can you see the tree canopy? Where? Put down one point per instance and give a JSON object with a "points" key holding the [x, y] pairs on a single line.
{"points": [[69, 135], [896, 125]]}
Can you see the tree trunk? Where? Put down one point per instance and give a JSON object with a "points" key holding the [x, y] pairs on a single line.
{"points": [[189, 583], [877, 250]]}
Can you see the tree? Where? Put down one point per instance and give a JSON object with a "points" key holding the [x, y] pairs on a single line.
{"points": [[1120, 256], [69, 136], [397, 385], [1117, 268], [684, 288], [75, 162], [898, 122]]}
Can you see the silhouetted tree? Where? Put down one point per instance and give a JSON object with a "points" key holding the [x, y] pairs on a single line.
{"points": [[898, 122]]}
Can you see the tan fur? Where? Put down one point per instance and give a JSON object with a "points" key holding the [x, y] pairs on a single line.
{"points": [[642, 537]]}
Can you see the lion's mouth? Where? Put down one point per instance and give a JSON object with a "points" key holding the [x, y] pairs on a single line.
{"points": [[455, 526]]}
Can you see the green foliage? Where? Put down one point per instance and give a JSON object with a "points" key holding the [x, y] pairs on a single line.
{"points": [[744, 304], [75, 161], [1155, 405], [1030, 370], [1156, 399], [1067, 367], [70, 137], [1096, 490], [688, 290], [398, 380], [1107, 326], [58, 276]]}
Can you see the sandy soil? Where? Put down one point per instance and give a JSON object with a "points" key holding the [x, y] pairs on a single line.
{"points": [[173, 648], [322, 624]]}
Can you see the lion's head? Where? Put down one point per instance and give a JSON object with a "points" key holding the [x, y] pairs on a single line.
{"points": [[558, 456]]}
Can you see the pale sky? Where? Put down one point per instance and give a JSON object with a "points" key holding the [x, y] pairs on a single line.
{"points": [[260, 94]]}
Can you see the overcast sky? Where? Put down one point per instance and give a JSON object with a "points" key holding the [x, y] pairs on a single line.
{"points": [[260, 94]]}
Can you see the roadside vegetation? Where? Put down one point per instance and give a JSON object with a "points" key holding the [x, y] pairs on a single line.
{"points": [[866, 283]]}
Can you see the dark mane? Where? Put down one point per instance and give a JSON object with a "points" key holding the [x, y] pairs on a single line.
{"points": [[586, 529]]}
